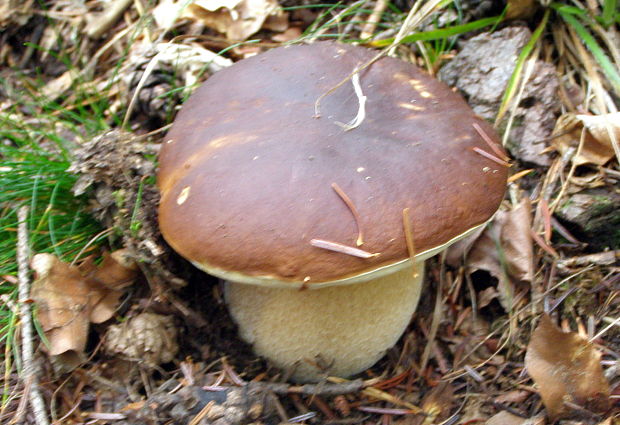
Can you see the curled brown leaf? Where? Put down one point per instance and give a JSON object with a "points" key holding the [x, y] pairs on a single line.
{"points": [[567, 369]]}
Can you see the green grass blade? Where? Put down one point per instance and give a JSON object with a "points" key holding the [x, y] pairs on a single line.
{"points": [[442, 33], [590, 42], [513, 83], [610, 12]]}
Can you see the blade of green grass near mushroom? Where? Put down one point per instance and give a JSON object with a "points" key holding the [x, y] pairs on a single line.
{"points": [[58, 223], [590, 29]]}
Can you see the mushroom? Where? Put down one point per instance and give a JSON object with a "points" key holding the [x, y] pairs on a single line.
{"points": [[299, 187]]}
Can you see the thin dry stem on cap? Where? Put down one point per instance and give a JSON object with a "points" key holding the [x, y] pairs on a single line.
{"points": [[343, 249], [409, 240], [489, 142], [356, 71], [491, 157], [356, 215], [361, 99]]}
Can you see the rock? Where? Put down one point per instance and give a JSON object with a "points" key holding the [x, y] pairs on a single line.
{"points": [[481, 71], [594, 216]]}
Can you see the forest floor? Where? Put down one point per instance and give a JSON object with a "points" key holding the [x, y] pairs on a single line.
{"points": [[518, 325]]}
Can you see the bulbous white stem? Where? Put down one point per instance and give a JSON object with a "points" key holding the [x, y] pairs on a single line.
{"points": [[347, 328]]}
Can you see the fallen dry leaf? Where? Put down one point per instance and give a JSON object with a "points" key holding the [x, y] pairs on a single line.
{"points": [[505, 250], [521, 9], [62, 301], [68, 298], [515, 396], [567, 369], [15, 13], [238, 19], [106, 282], [516, 240], [507, 418], [437, 404], [597, 144], [148, 336]]}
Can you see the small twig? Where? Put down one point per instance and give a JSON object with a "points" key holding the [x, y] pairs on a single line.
{"points": [[29, 375], [385, 410], [203, 412], [323, 388], [491, 156], [343, 249], [101, 22], [489, 142], [380, 395], [356, 215], [544, 245], [517, 176], [605, 329], [437, 314], [373, 19], [409, 241]]}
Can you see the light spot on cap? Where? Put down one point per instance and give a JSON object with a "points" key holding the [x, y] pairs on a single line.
{"points": [[360, 169], [410, 106], [419, 87], [169, 141], [183, 195], [400, 76]]}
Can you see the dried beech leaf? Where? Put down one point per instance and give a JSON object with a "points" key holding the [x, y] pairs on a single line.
{"points": [[516, 240], [238, 19], [438, 403], [62, 298], [486, 254], [597, 145], [505, 251], [117, 270], [515, 396], [520, 9], [290, 34], [69, 298], [507, 418], [567, 370]]}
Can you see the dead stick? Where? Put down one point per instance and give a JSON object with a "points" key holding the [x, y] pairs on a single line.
{"points": [[29, 375], [373, 20], [326, 389], [103, 21]]}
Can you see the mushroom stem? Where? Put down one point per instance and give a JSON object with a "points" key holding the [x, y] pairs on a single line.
{"points": [[338, 330]]}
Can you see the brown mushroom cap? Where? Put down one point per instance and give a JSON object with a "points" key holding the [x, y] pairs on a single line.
{"points": [[247, 169]]}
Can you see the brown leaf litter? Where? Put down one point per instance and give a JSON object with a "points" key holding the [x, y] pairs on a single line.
{"points": [[504, 249], [590, 136], [238, 19], [69, 298], [567, 369]]}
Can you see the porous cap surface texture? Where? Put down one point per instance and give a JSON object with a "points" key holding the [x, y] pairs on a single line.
{"points": [[247, 170]]}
